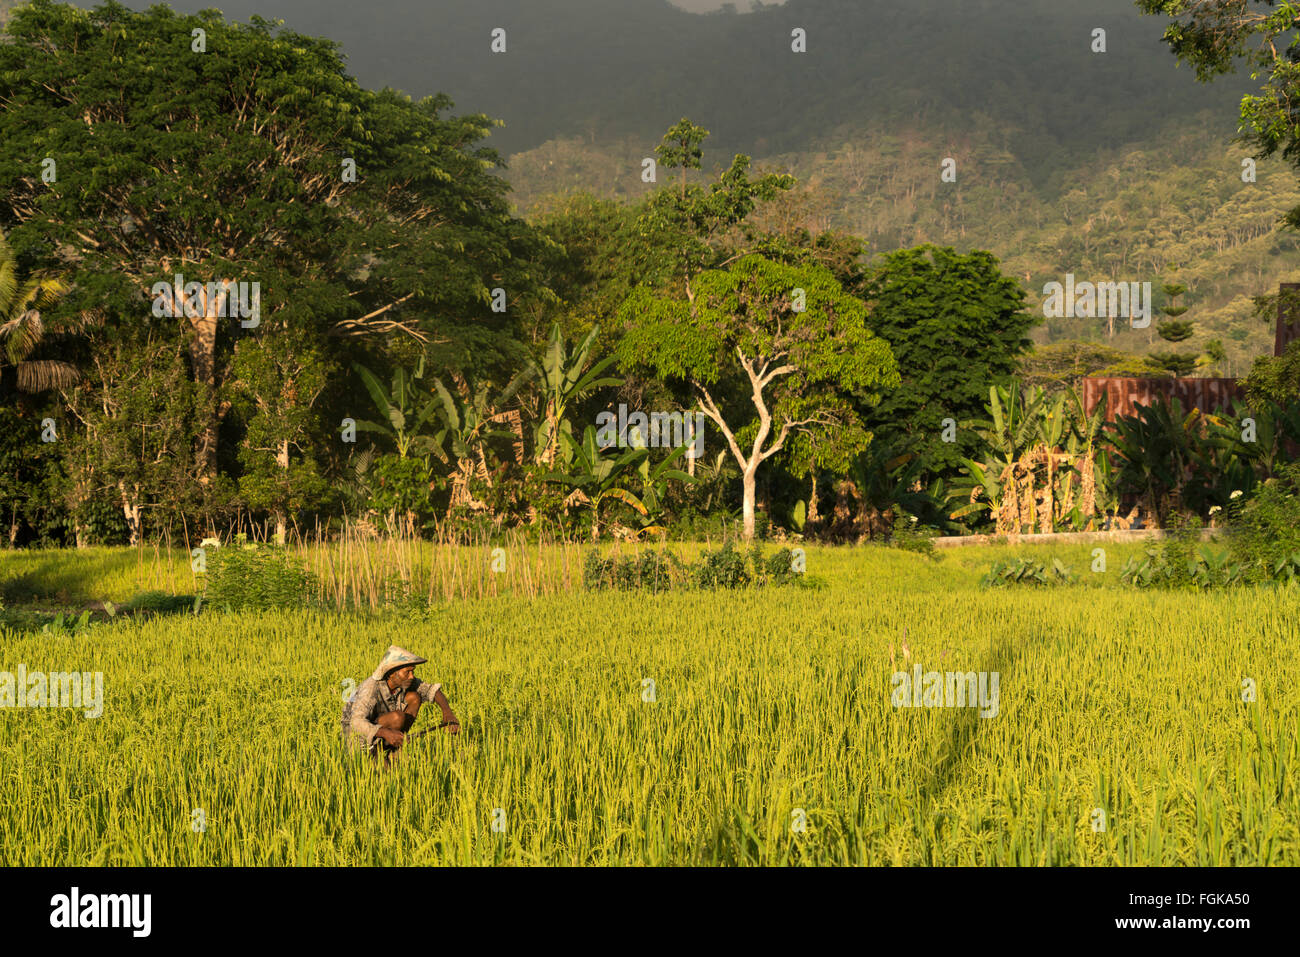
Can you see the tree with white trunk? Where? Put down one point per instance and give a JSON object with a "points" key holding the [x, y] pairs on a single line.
{"points": [[770, 350]]}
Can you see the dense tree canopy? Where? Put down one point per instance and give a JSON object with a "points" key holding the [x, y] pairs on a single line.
{"points": [[957, 326]]}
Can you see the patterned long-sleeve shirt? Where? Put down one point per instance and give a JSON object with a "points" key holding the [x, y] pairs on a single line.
{"points": [[372, 699]]}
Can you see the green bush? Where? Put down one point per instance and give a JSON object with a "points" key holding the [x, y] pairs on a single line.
{"points": [[660, 571], [1177, 563], [258, 577], [156, 601], [1171, 563], [722, 569], [1265, 529], [657, 571], [402, 486], [693, 526], [909, 535], [778, 569], [1262, 541], [1026, 571]]}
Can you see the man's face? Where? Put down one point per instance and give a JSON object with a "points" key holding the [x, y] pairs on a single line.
{"points": [[401, 677]]}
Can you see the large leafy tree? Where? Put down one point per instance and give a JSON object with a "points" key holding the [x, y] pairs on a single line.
{"points": [[1276, 379], [233, 163], [607, 249], [703, 216], [761, 368], [957, 326]]}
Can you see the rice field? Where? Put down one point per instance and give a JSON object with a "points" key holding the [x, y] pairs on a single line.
{"points": [[769, 734]]}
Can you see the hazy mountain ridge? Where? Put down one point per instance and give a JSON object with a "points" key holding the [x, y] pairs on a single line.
{"points": [[615, 68]]}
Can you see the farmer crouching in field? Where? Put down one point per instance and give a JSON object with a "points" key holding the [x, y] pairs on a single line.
{"points": [[384, 707]]}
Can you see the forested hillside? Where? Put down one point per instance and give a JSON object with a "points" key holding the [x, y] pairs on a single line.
{"points": [[1172, 208]]}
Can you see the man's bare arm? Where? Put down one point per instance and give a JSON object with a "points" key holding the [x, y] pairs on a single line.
{"points": [[448, 716]]}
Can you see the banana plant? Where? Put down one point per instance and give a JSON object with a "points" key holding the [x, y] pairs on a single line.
{"points": [[1085, 448], [1043, 454], [1106, 501], [654, 481], [563, 379], [469, 422], [404, 409], [1008, 434], [1014, 426], [597, 478], [1262, 446]]}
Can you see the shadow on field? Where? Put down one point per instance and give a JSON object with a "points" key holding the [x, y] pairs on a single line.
{"points": [[967, 723], [27, 611], [32, 586]]}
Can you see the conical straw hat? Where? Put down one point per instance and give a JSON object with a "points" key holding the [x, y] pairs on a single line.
{"points": [[396, 657]]}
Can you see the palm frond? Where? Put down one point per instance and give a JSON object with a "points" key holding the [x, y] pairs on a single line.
{"points": [[42, 374]]}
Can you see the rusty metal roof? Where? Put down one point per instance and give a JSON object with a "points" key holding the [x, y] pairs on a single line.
{"points": [[1123, 396]]}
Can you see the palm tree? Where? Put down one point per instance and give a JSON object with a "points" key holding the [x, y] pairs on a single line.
{"points": [[23, 328]]}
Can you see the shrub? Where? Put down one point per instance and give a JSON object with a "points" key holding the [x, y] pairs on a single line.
{"points": [[911, 536], [156, 601], [657, 571], [1026, 571], [256, 577], [1265, 529], [1177, 563], [722, 569], [1262, 538], [778, 569], [690, 525]]}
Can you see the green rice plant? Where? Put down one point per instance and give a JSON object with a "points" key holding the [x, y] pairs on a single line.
{"points": [[770, 707]]}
